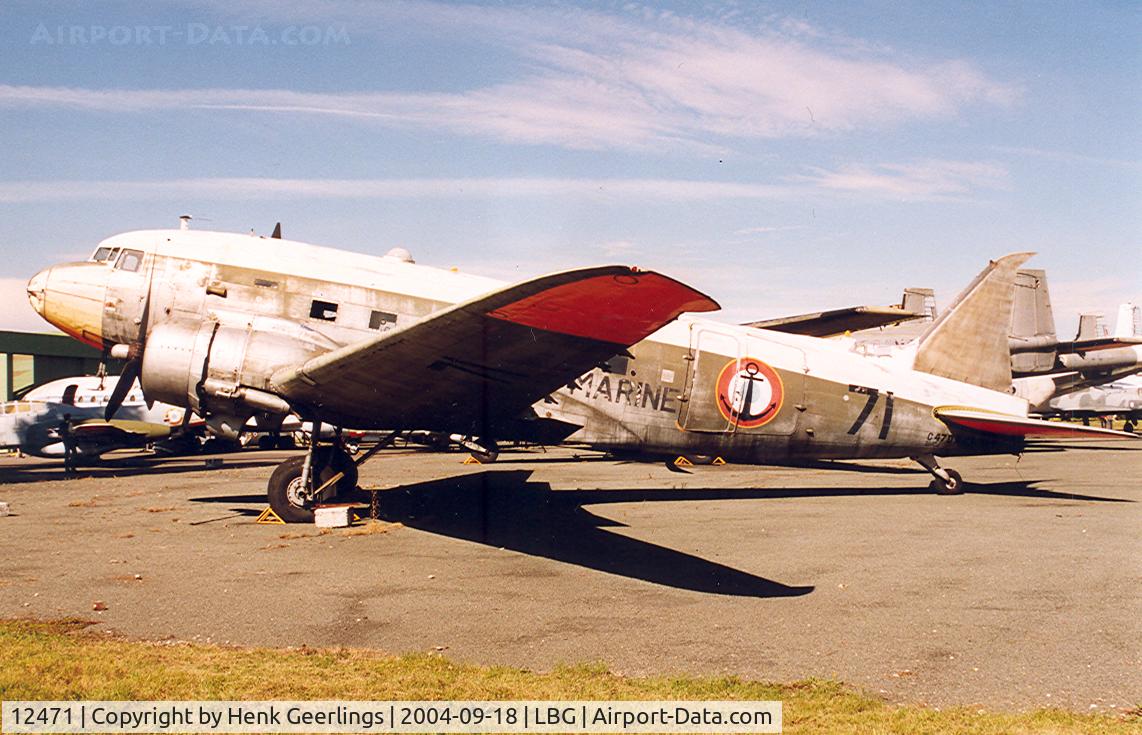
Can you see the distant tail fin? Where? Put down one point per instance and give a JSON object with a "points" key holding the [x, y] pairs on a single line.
{"points": [[920, 301], [968, 342], [1091, 326], [1033, 340], [1129, 322]]}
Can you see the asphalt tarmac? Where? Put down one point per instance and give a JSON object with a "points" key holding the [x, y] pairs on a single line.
{"points": [[1025, 592]]}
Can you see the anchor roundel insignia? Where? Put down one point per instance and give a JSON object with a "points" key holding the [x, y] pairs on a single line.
{"points": [[749, 392]]}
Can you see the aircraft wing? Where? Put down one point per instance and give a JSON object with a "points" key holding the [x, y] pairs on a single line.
{"points": [[990, 422], [837, 321], [478, 364], [1097, 344], [97, 430]]}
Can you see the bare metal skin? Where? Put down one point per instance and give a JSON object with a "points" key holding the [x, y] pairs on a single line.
{"points": [[234, 326]]}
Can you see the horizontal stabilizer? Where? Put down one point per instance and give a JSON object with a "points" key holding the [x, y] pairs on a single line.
{"points": [[1007, 425], [92, 429], [838, 321]]}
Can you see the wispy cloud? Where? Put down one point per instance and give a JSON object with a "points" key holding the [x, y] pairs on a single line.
{"points": [[589, 80], [267, 188], [923, 180], [948, 180], [1065, 157], [768, 230]]}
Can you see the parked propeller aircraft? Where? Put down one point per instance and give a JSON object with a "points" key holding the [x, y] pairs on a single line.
{"points": [[32, 423], [1104, 402], [233, 326]]}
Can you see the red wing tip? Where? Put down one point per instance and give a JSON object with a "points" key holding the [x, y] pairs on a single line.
{"points": [[611, 307]]}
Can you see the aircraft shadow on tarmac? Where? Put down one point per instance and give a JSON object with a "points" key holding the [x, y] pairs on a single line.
{"points": [[502, 508], [126, 467]]}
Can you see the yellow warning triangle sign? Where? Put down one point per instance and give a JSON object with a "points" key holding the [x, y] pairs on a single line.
{"points": [[683, 462], [472, 460], [718, 461], [268, 516]]}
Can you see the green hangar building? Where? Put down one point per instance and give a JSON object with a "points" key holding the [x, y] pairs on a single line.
{"points": [[28, 359]]}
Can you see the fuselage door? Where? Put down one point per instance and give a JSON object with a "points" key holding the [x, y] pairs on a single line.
{"points": [[711, 348], [740, 383]]}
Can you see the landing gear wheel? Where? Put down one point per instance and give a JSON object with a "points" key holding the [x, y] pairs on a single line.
{"points": [[954, 485], [285, 489], [486, 457]]}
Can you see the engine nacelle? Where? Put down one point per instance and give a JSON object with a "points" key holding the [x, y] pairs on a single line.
{"points": [[218, 370]]}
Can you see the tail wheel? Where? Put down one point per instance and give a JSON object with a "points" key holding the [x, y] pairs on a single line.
{"points": [[954, 485], [286, 492]]}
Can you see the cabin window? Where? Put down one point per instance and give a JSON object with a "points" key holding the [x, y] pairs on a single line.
{"points": [[104, 254], [381, 319], [324, 310], [69, 394], [130, 260]]}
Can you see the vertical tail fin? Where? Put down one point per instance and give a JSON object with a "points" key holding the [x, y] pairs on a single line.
{"points": [[1129, 322], [920, 301], [1034, 343], [968, 342], [1091, 326]]}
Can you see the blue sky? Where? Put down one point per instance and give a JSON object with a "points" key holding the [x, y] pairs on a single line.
{"points": [[784, 157]]}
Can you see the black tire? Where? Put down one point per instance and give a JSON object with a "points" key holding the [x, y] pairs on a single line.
{"points": [[486, 457], [286, 478], [279, 492], [286, 441], [1128, 427], [954, 485], [266, 441]]}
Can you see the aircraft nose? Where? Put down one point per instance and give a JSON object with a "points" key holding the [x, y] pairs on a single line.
{"points": [[70, 296], [37, 287]]}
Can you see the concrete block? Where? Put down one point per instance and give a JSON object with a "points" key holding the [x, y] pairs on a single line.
{"points": [[338, 516]]}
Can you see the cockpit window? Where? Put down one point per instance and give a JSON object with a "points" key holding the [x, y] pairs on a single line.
{"points": [[130, 260], [104, 254]]}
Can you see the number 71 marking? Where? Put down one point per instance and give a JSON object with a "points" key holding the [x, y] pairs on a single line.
{"points": [[866, 411]]}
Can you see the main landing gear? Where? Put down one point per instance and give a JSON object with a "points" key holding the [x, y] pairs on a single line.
{"points": [[326, 472], [946, 482]]}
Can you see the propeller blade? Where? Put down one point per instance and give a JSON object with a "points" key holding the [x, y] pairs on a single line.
{"points": [[126, 379], [134, 367]]}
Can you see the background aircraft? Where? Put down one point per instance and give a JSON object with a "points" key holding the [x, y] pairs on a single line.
{"points": [[1121, 398], [31, 424], [233, 326]]}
